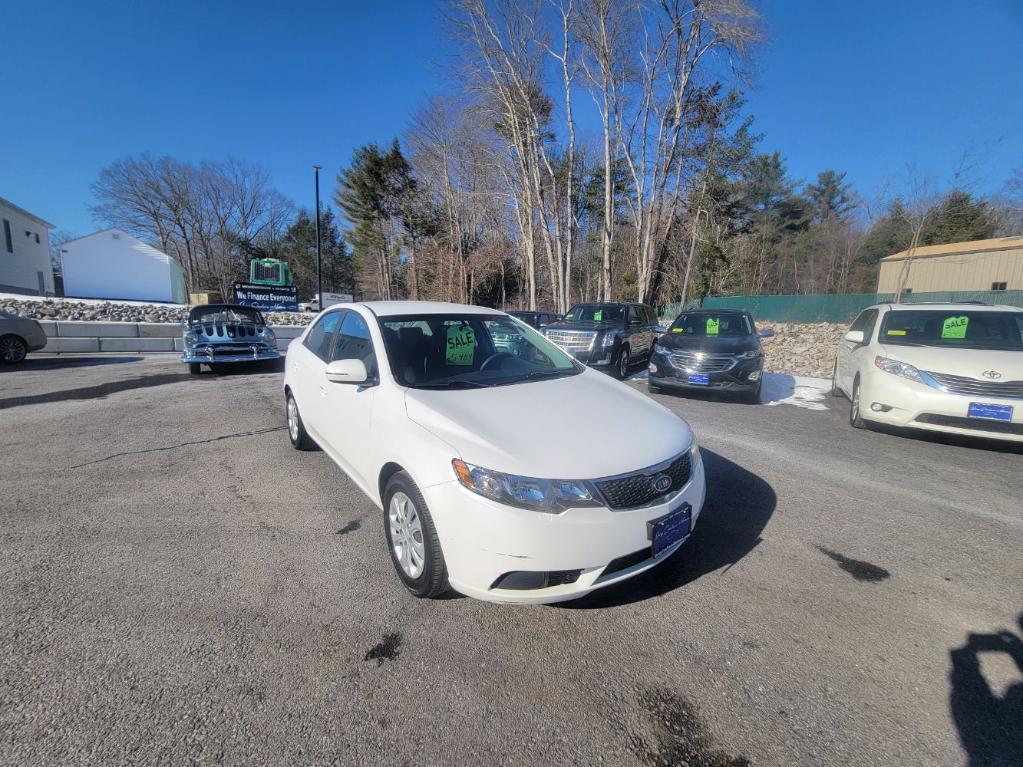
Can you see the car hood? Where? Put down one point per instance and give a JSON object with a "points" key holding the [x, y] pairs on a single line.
{"points": [[578, 427], [960, 362], [710, 344]]}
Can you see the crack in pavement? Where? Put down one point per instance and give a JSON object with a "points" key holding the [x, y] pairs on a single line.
{"points": [[252, 433]]}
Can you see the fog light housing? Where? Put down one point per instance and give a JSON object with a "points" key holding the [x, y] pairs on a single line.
{"points": [[879, 407], [755, 375], [652, 368]]}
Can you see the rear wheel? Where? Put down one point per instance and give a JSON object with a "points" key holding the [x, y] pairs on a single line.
{"points": [[12, 348], [412, 538], [300, 439], [621, 368], [855, 417]]}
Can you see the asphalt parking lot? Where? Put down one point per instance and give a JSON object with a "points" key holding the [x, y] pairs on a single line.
{"points": [[179, 585]]}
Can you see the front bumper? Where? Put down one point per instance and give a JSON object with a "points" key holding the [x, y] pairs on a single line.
{"points": [[918, 406], [483, 540], [743, 377], [215, 356]]}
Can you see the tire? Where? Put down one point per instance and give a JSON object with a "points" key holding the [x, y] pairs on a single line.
{"points": [[12, 349], [753, 397], [621, 366], [412, 539], [300, 439], [653, 388], [835, 391], [855, 416], [194, 368]]}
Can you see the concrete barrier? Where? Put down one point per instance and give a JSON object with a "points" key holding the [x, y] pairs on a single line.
{"points": [[73, 337]]}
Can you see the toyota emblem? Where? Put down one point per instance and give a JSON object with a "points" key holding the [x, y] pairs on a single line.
{"points": [[661, 483], [994, 375]]}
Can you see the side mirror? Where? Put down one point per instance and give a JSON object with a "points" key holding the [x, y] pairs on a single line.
{"points": [[766, 332], [854, 337], [347, 372]]}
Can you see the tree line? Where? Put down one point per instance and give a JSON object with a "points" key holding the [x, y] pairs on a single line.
{"points": [[586, 149]]}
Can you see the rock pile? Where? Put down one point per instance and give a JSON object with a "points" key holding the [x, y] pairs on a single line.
{"points": [[109, 311], [802, 349]]}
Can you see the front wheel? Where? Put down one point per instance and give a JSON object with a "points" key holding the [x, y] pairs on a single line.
{"points": [[835, 391], [855, 417], [12, 348], [621, 368], [194, 368], [300, 439], [412, 539], [753, 397]]}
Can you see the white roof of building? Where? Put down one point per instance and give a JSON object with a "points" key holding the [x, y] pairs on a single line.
{"points": [[142, 246], [25, 213]]}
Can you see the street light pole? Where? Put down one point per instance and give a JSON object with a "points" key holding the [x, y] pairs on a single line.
{"points": [[319, 275]]}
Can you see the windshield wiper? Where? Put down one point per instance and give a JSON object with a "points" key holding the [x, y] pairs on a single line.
{"points": [[456, 384], [552, 373]]}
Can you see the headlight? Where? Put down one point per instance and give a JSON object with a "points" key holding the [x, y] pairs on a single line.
{"points": [[750, 355], [896, 368], [546, 495], [268, 336], [191, 337], [694, 452], [610, 336], [660, 348]]}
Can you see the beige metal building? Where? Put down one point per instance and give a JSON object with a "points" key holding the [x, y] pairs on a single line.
{"points": [[978, 265]]}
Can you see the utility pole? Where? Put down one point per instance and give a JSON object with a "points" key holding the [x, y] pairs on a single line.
{"points": [[319, 274]]}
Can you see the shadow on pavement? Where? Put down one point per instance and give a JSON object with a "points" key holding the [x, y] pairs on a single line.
{"points": [[94, 392], [739, 505], [990, 726], [953, 440], [57, 363], [245, 368]]}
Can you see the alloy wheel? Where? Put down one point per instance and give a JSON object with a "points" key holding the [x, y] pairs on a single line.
{"points": [[623, 363], [292, 419], [406, 535], [12, 349]]}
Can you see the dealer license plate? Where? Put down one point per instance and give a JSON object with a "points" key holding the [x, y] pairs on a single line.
{"points": [[670, 529], [990, 412], [699, 378]]}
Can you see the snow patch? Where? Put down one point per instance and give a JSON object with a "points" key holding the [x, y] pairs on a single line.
{"points": [[799, 391]]}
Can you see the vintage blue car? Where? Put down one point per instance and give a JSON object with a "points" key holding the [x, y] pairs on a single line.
{"points": [[219, 334]]}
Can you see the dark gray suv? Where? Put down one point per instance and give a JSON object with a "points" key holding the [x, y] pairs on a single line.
{"points": [[607, 335]]}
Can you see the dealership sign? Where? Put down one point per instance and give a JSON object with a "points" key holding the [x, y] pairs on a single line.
{"points": [[268, 298]]}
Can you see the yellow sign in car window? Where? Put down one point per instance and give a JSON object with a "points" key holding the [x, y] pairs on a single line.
{"points": [[896, 332], [461, 345], [955, 327], [713, 326]]}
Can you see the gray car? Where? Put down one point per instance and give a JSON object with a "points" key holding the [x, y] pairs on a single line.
{"points": [[19, 336], [220, 334]]}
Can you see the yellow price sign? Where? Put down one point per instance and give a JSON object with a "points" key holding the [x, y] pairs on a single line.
{"points": [[713, 326], [460, 348], [598, 315]]}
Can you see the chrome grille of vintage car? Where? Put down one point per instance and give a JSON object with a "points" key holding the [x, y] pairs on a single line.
{"points": [[700, 362], [974, 386], [573, 340], [639, 488]]}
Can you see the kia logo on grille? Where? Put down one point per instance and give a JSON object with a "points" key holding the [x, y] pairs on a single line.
{"points": [[992, 374], [661, 483]]}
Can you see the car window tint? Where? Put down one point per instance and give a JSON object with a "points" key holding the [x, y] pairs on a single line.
{"points": [[860, 322], [354, 343], [868, 325], [321, 335]]}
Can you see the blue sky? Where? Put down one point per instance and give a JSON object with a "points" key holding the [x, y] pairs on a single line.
{"points": [[863, 87]]}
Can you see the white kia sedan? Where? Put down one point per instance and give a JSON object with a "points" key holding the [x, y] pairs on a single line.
{"points": [[954, 368], [504, 468]]}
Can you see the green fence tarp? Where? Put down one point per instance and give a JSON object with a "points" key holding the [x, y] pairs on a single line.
{"points": [[839, 307]]}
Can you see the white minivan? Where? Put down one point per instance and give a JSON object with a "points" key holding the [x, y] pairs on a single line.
{"points": [[505, 469], [954, 368]]}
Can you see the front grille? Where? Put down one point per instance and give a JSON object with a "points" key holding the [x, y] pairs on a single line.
{"points": [[698, 362], [974, 424], [632, 490], [964, 385], [573, 340]]}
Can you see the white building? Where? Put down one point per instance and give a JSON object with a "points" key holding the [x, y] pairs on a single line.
{"points": [[24, 252], [112, 264]]}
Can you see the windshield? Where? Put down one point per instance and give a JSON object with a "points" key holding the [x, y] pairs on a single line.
{"points": [[959, 328], [204, 315], [594, 313], [712, 325], [449, 351]]}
